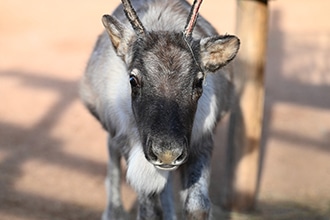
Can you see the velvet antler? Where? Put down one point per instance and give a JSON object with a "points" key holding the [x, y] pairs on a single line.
{"points": [[191, 21], [133, 18]]}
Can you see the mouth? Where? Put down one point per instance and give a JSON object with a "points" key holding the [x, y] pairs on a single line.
{"points": [[166, 167]]}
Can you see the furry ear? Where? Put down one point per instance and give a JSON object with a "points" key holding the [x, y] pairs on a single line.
{"points": [[120, 35], [218, 51]]}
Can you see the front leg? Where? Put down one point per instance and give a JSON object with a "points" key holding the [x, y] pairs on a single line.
{"points": [[114, 209], [167, 201], [195, 189], [196, 174], [149, 207]]}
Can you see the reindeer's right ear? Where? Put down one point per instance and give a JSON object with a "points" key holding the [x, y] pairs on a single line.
{"points": [[218, 51], [118, 33]]}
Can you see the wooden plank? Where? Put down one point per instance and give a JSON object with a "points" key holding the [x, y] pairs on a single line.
{"points": [[246, 119]]}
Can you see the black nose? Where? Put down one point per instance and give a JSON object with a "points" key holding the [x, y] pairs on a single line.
{"points": [[166, 155]]}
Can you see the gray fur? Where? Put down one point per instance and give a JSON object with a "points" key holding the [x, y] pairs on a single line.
{"points": [[146, 91]]}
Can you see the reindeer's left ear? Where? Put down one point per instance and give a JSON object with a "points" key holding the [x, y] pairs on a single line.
{"points": [[118, 33], [218, 51]]}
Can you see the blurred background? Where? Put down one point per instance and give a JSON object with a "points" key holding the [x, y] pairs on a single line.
{"points": [[53, 153]]}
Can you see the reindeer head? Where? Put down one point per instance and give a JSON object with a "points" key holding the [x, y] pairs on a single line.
{"points": [[166, 71]]}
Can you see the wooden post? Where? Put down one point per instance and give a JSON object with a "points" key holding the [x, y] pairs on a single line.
{"points": [[245, 128]]}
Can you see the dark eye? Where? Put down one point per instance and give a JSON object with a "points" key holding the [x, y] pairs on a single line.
{"points": [[199, 83], [199, 80], [133, 80]]}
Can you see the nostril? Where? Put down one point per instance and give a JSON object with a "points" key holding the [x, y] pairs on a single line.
{"points": [[150, 153], [182, 158]]}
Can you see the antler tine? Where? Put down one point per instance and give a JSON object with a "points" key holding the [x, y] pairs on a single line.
{"points": [[191, 21], [133, 18]]}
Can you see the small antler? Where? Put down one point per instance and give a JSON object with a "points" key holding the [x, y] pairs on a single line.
{"points": [[133, 18], [191, 21]]}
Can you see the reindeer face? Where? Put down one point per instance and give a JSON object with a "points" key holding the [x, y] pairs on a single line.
{"points": [[166, 73], [166, 83]]}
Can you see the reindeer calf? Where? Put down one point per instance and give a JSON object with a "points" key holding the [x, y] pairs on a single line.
{"points": [[159, 89]]}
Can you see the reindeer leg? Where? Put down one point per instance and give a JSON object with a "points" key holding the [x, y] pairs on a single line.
{"points": [[149, 207], [166, 199], [195, 191], [196, 175], [114, 209]]}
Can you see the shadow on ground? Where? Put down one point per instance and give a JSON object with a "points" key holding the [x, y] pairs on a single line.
{"points": [[21, 145]]}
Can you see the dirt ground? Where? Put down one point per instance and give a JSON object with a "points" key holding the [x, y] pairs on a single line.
{"points": [[53, 153]]}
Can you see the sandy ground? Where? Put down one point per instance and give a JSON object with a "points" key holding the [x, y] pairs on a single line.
{"points": [[53, 153]]}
